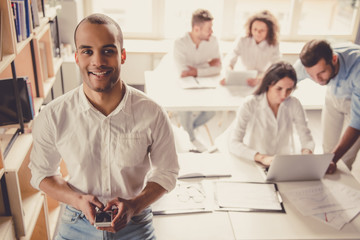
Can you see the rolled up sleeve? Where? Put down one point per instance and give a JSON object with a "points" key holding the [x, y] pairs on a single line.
{"points": [[44, 158], [163, 156]]}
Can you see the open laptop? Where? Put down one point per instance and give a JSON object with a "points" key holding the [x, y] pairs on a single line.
{"points": [[239, 77], [302, 167]]}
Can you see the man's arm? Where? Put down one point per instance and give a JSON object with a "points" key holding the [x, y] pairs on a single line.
{"points": [[57, 188], [129, 208], [347, 140]]}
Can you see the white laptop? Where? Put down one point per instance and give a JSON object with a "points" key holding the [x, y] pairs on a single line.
{"points": [[303, 167], [239, 77]]}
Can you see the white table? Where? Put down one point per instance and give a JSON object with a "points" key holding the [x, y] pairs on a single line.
{"points": [[166, 91], [257, 225]]}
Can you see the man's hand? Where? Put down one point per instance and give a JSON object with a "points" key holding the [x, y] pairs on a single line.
{"points": [[191, 72], [332, 168], [125, 211], [87, 206]]}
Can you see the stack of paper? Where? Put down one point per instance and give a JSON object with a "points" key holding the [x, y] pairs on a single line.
{"points": [[330, 202], [204, 165]]}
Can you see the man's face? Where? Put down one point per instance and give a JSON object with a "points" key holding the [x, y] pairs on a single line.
{"points": [[321, 72], [205, 31], [98, 55]]}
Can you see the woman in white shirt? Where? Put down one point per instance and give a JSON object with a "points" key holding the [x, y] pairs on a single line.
{"points": [[259, 48], [264, 125]]}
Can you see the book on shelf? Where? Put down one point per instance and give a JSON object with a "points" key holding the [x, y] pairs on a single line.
{"points": [[22, 15], [1, 34], [15, 10], [44, 62], [8, 109], [35, 13]]}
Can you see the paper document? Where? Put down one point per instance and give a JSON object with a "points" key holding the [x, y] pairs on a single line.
{"points": [[199, 82], [187, 197], [328, 201], [248, 196], [206, 165]]}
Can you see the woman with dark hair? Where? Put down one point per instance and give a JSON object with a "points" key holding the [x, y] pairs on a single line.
{"points": [[264, 125], [259, 48]]}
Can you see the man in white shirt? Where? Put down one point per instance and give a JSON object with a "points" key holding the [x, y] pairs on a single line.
{"points": [[197, 54], [117, 143]]}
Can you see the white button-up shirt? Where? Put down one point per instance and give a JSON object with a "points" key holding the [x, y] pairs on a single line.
{"points": [[186, 54], [106, 156], [253, 56], [257, 130]]}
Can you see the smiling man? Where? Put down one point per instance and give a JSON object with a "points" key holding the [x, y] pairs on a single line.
{"points": [[117, 144], [339, 69]]}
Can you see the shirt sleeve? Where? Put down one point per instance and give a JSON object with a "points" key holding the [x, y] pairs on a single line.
{"points": [[233, 55], [206, 70], [276, 55], [44, 157], [236, 144], [300, 122], [179, 57], [355, 108], [301, 73], [164, 160]]}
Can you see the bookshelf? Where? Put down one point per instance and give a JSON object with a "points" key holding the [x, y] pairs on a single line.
{"points": [[25, 213]]}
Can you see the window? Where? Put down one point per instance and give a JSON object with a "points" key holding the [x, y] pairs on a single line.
{"points": [[298, 19]]}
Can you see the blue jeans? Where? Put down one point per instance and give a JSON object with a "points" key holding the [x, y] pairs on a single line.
{"points": [[75, 226], [192, 120]]}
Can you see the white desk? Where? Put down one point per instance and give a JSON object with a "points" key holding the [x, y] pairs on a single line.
{"points": [[256, 225], [164, 89]]}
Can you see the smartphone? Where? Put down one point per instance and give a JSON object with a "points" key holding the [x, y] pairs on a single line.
{"points": [[103, 219]]}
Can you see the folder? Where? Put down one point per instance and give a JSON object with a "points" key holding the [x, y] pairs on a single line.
{"points": [[248, 197]]}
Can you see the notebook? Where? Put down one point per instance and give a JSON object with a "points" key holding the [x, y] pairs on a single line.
{"points": [[298, 167], [239, 77]]}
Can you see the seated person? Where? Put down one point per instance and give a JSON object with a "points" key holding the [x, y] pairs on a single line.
{"points": [[264, 125], [258, 49], [197, 54]]}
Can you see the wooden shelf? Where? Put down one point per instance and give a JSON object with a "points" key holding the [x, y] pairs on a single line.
{"points": [[7, 59], [18, 152], [32, 217], [7, 229]]}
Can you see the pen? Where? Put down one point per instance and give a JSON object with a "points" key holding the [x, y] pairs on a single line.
{"points": [[197, 81]]}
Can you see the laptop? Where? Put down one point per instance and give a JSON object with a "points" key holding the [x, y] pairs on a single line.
{"points": [[302, 167], [239, 77]]}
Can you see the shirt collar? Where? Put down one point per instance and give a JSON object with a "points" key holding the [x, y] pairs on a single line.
{"points": [[262, 44], [264, 103], [85, 104]]}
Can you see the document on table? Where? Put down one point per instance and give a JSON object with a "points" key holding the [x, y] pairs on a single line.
{"points": [[333, 203], [248, 196], [187, 197], [204, 165], [199, 82]]}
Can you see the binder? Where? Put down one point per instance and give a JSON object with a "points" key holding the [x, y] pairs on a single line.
{"points": [[8, 111], [248, 197]]}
